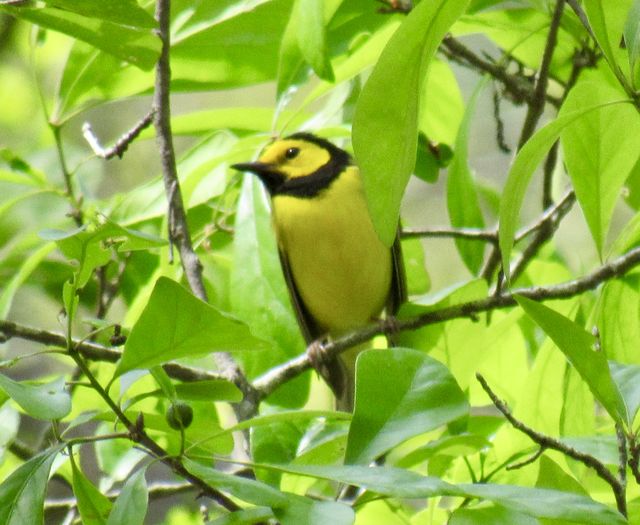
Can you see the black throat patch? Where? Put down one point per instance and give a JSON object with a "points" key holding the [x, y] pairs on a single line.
{"points": [[311, 185]]}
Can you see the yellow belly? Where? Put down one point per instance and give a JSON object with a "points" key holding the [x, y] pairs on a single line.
{"points": [[340, 267]]}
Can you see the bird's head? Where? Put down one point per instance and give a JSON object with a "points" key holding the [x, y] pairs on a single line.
{"points": [[299, 165]]}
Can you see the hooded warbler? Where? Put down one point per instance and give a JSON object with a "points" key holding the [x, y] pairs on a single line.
{"points": [[339, 274]]}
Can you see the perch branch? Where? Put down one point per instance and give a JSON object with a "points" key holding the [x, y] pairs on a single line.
{"points": [[275, 377]]}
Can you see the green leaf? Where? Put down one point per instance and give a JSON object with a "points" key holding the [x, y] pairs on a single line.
{"points": [[276, 443], [309, 22], [210, 50], [627, 379], [618, 311], [139, 47], [88, 73], [259, 294], [18, 279], [292, 69], [462, 196], [418, 281], [493, 515], [598, 157], [414, 395], [130, 507], [456, 445], [123, 12], [551, 476], [22, 492], [46, 401], [441, 122], [94, 507], [18, 165], [245, 489], [632, 35], [577, 345], [244, 517], [209, 390], [389, 105], [596, 14], [540, 503], [544, 503], [524, 165], [307, 511], [176, 324]]}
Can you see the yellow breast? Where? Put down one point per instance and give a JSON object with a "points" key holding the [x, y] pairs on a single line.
{"points": [[340, 267]]}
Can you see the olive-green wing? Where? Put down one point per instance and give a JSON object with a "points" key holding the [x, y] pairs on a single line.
{"points": [[398, 292]]}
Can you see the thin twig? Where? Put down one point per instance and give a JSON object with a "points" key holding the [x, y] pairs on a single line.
{"points": [[622, 454], [97, 352], [532, 459], [272, 379], [634, 456], [21, 450], [543, 234], [520, 88], [554, 214], [138, 435], [502, 143], [471, 234], [76, 202], [122, 144], [179, 228], [537, 101], [549, 442]]}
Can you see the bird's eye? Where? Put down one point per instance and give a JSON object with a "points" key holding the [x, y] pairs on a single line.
{"points": [[292, 153]]}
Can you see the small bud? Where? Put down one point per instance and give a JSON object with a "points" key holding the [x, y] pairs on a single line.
{"points": [[179, 415]]}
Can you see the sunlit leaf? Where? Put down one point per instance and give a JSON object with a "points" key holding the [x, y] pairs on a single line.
{"points": [[22, 492], [597, 156], [524, 165], [177, 324], [414, 395], [577, 345], [130, 507], [43, 401], [387, 110]]}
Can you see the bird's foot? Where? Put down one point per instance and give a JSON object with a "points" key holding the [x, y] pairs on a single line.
{"points": [[317, 354], [391, 328]]}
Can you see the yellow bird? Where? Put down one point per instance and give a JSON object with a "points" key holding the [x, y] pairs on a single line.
{"points": [[339, 274]]}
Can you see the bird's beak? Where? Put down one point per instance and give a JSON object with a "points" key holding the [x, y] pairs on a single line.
{"points": [[257, 167], [271, 178]]}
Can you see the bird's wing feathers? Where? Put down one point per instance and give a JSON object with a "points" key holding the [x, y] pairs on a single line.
{"points": [[308, 327], [398, 292]]}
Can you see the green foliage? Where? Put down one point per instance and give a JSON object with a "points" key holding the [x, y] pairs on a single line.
{"points": [[123, 367]]}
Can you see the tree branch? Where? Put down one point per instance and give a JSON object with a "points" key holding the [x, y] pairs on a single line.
{"points": [[178, 226], [552, 215], [537, 100], [97, 352], [517, 86], [122, 144], [275, 377], [547, 442], [137, 434]]}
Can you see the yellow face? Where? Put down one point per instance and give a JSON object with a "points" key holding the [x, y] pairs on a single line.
{"points": [[294, 157]]}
